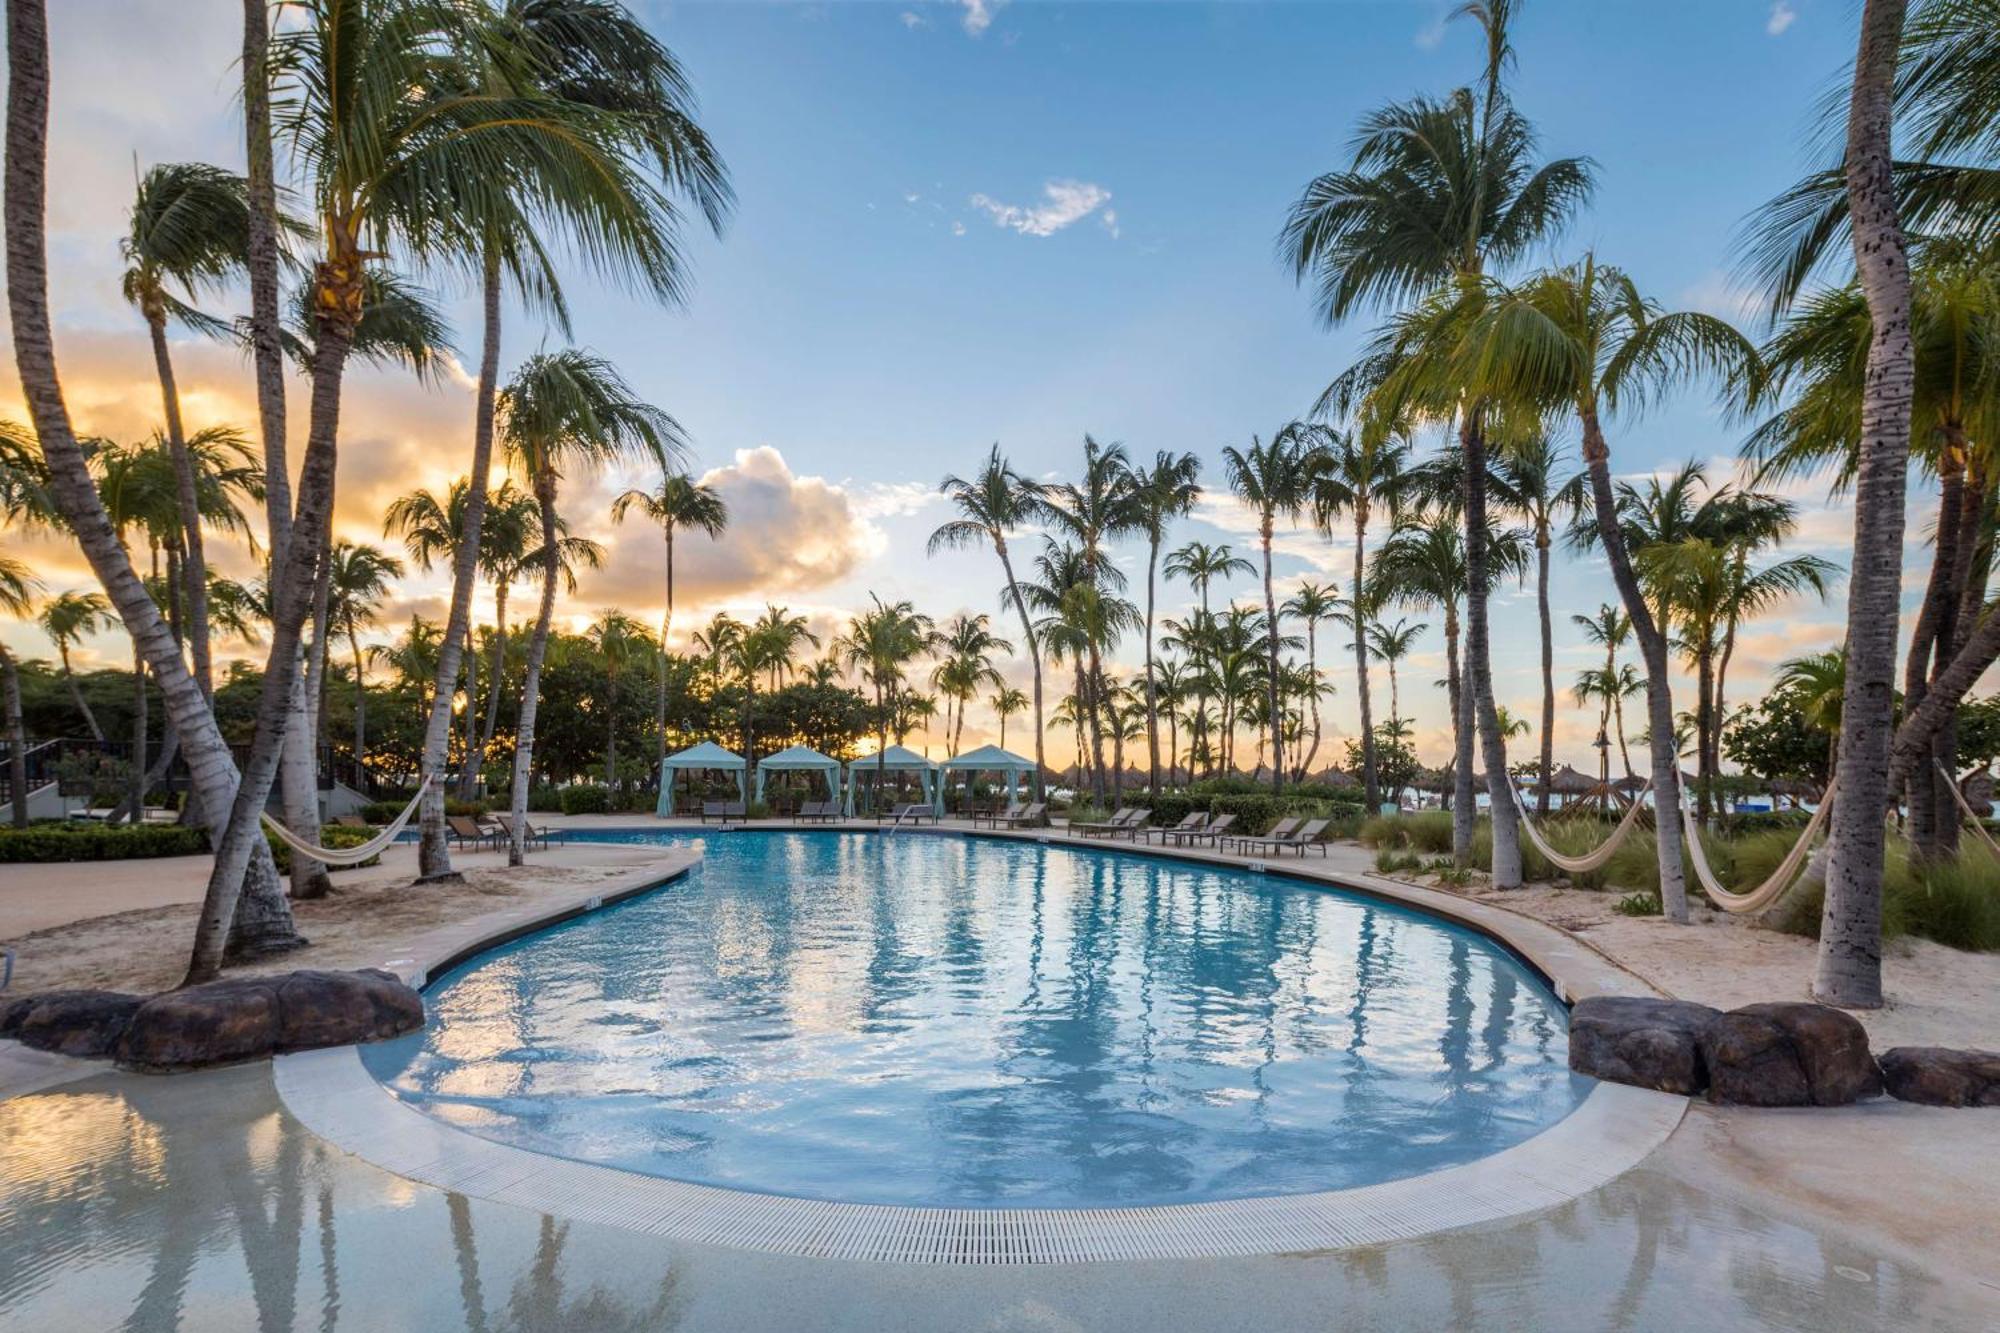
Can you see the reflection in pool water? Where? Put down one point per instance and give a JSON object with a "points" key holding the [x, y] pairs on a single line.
{"points": [[936, 1020]]}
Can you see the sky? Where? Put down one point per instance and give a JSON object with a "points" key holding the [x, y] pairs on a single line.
{"points": [[962, 222]]}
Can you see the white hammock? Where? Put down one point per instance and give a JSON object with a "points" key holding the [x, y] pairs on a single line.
{"points": [[1580, 865], [349, 856], [1978, 824], [1774, 886]]}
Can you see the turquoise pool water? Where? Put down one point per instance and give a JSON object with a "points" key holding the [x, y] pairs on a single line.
{"points": [[914, 1019]]}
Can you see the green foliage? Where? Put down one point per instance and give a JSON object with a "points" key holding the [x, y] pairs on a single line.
{"points": [[383, 813], [331, 836], [1396, 765], [1772, 738], [1255, 811], [1955, 904], [99, 842], [585, 799], [1638, 904], [1425, 831], [757, 810]]}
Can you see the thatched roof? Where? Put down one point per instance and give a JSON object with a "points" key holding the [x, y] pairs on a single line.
{"points": [[1567, 781]]}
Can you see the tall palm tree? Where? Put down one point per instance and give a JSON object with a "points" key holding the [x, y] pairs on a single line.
{"points": [[1820, 682], [1609, 628], [1439, 192], [1203, 565], [1391, 644], [992, 503], [1006, 702], [188, 234], [565, 412], [678, 502], [357, 581], [67, 618], [1164, 492], [1096, 509], [619, 640], [18, 589], [1312, 603], [1355, 471], [768, 646], [965, 668], [1533, 474], [1275, 480], [880, 643], [590, 72]]}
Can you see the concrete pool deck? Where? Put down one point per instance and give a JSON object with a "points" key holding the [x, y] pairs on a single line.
{"points": [[1859, 1218]]}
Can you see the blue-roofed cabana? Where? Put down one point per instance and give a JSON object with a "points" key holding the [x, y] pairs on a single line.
{"points": [[705, 757], [993, 759], [896, 759], [800, 759]]}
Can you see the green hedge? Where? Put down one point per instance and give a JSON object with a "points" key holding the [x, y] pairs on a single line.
{"points": [[380, 813], [587, 799], [330, 835], [100, 842]]}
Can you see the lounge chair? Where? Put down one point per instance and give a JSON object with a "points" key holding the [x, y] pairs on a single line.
{"points": [[1284, 828], [712, 810], [915, 812], [1128, 821], [819, 812], [466, 833], [1306, 837], [1140, 824], [529, 833], [1188, 824], [808, 811], [1211, 831]]}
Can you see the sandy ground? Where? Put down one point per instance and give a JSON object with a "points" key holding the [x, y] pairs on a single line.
{"points": [[141, 942]]}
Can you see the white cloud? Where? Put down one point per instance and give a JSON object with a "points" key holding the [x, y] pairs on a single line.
{"points": [[979, 14], [913, 20], [1782, 17], [1110, 220], [1430, 35], [958, 228], [1063, 202]]}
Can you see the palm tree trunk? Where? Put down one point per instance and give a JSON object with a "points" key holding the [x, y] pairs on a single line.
{"points": [[194, 568], [496, 673], [666, 628], [138, 813], [1929, 805], [17, 741], [76, 696], [1659, 690], [298, 766], [611, 734], [1479, 661], [1548, 667], [1034, 656], [1849, 971], [433, 847], [360, 710], [531, 680], [1371, 787], [1271, 665], [1704, 667], [1152, 706]]}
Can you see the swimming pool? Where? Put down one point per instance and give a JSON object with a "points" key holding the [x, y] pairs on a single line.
{"points": [[944, 1021]]}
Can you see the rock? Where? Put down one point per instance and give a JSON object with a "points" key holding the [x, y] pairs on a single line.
{"points": [[1938, 1076], [70, 1022], [226, 1021], [1644, 1042], [1788, 1053]]}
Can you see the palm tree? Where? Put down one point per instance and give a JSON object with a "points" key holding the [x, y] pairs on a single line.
{"points": [[1275, 480], [610, 144], [1391, 644], [991, 504], [1609, 628], [357, 581], [66, 619], [618, 639], [678, 502], [1203, 565], [1006, 702], [1438, 193], [1092, 511], [1312, 603], [565, 412], [1164, 492], [768, 646], [1530, 473], [188, 233], [1820, 682], [1356, 471], [966, 668], [18, 589], [880, 643]]}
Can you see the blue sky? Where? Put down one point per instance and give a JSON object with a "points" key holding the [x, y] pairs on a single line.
{"points": [[967, 222]]}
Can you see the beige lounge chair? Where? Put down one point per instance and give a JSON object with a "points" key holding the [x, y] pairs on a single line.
{"points": [[1208, 832]]}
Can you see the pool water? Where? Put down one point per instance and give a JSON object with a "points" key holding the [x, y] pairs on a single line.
{"points": [[926, 1020]]}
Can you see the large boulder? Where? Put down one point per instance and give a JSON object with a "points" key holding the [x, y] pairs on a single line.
{"points": [[226, 1021], [70, 1022], [1937, 1076], [1788, 1053], [1644, 1042]]}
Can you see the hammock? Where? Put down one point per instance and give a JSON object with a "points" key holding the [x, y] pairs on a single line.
{"points": [[349, 856], [1773, 888], [1978, 824], [1581, 865]]}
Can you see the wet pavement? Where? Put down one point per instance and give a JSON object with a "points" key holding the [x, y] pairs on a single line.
{"points": [[196, 1202]]}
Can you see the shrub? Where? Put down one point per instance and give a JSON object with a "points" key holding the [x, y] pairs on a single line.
{"points": [[330, 835], [1638, 904], [1957, 903], [1425, 831], [757, 810], [1765, 821], [586, 799], [100, 842], [545, 800]]}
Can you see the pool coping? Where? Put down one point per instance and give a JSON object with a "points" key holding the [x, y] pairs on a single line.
{"points": [[1615, 1127]]}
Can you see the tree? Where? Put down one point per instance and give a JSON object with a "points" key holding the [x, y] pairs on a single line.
{"points": [[609, 144], [18, 589], [618, 639], [358, 581], [880, 643], [990, 505], [1006, 702], [1164, 492], [564, 412], [965, 668], [1391, 644], [1608, 628], [1097, 508], [1530, 472], [1203, 565], [67, 618], [1312, 603], [678, 502], [1275, 480]]}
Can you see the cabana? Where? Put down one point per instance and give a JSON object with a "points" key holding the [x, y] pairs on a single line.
{"points": [[696, 758], [896, 759], [800, 759], [992, 759]]}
